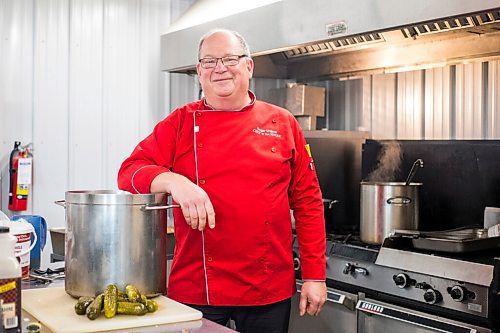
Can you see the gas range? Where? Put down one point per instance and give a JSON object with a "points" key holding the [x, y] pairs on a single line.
{"points": [[454, 286], [425, 278]]}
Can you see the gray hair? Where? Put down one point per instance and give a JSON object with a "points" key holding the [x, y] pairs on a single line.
{"points": [[243, 44]]}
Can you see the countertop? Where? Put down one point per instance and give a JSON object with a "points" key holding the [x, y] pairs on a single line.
{"points": [[196, 326]]}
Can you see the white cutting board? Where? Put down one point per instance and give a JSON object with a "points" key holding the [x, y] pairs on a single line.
{"points": [[55, 310]]}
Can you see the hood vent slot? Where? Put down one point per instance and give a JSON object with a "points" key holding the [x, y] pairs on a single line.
{"points": [[451, 24], [336, 44]]}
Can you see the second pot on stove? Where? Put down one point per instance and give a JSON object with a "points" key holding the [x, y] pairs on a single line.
{"points": [[386, 206]]}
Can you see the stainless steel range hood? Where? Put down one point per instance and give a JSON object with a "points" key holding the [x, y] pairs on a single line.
{"points": [[334, 38]]}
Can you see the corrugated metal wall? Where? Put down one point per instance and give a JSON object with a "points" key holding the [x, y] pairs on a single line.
{"points": [[79, 79], [453, 102]]}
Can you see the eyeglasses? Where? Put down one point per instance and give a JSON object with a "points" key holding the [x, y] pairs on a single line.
{"points": [[231, 60]]}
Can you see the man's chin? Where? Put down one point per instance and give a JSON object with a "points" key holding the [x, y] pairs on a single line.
{"points": [[221, 93]]}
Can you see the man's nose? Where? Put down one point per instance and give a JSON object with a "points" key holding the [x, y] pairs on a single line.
{"points": [[219, 66]]}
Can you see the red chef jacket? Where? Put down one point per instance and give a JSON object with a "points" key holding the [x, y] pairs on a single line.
{"points": [[254, 165]]}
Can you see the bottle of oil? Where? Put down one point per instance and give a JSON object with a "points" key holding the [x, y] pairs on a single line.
{"points": [[10, 284]]}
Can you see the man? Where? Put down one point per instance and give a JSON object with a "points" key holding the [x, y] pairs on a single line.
{"points": [[236, 166]]}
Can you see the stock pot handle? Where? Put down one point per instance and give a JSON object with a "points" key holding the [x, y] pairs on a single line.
{"points": [[399, 201], [61, 203], [153, 207]]}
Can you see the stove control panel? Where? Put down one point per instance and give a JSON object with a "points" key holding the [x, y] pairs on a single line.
{"points": [[436, 291]]}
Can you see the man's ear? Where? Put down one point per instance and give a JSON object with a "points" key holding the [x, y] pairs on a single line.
{"points": [[250, 65], [198, 69]]}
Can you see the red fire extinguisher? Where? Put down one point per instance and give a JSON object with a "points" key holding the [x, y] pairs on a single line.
{"points": [[20, 177]]}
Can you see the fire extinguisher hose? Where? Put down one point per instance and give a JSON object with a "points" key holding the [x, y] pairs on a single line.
{"points": [[11, 170]]}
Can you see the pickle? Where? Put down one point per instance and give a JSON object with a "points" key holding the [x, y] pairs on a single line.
{"points": [[82, 304], [130, 308], [151, 305], [133, 294], [121, 296], [95, 308], [110, 299], [143, 300]]}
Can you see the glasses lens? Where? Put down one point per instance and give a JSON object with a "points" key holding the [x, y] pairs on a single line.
{"points": [[230, 61], [208, 62]]}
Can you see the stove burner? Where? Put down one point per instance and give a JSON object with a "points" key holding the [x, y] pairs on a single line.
{"points": [[40, 276]]}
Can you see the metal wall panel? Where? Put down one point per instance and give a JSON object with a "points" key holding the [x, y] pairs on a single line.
{"points": [[50, 108], [493, 101], [410, 106], [383, 108], [437, 103], [122, 84], [343, 95], [81, 80], [469, 104], [16, 81], [451, 102], [86, 95]]}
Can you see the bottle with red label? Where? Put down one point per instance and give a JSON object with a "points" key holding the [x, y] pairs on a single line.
{"points": [[10, 284]]}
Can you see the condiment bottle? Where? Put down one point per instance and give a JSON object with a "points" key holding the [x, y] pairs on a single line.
{"points": [[10, 284]]}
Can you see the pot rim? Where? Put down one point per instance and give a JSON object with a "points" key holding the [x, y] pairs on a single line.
{"points": [[113, 197], [376, 183]]}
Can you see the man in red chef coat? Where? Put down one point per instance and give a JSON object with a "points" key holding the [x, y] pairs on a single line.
{"points": [[236, 166]]}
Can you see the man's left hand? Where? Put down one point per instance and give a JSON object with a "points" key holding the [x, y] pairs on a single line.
{"points": [[312, 297]]}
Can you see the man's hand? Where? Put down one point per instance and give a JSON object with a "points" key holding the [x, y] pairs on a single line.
{"points": [[312, 297], [195, 204]]}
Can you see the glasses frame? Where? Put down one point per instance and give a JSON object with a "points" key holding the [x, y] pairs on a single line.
{"points": [[203, 65]]}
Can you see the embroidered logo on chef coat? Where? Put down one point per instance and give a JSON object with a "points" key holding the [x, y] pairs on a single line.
{"points": [[266, 132]]}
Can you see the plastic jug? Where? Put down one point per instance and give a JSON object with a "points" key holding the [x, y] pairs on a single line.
{"points": [[40, 227], [10, 284], [22, 230]]}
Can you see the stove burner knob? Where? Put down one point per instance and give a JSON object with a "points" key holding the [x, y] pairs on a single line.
{"points": [[354, 270], [401, 280], [432, 296], [458, 293], [348, 268]]}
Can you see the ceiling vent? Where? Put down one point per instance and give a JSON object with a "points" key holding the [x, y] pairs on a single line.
{"points": [[451, 24], [336, 44]]}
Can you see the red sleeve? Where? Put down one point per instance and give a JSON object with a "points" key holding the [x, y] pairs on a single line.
{"points": [[152, 156], [307, 205]]}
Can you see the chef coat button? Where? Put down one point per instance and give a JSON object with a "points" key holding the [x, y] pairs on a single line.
{"points": [[273, 150], [200, 145], [273, 121], [198, 114], [202, 181], [209, 259]]}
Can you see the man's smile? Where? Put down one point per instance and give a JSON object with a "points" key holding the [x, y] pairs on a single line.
{"points": [[222, 79]]}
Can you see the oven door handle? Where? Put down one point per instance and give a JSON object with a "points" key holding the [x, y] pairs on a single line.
{"points": [[376, 309], [334, 297]]}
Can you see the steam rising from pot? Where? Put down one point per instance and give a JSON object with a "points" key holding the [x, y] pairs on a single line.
{"points": [[389, 162]]}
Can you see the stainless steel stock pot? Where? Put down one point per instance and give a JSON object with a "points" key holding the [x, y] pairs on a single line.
{"points": [[115, 237], [386, 206]]}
